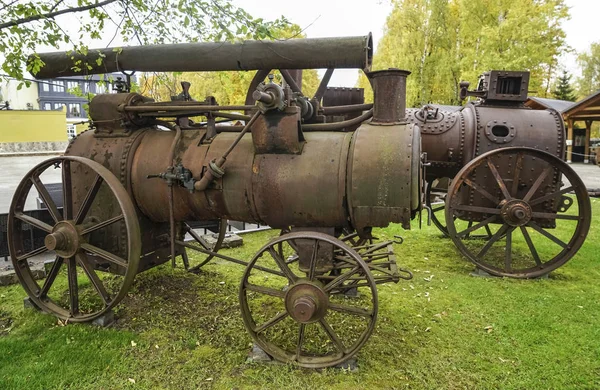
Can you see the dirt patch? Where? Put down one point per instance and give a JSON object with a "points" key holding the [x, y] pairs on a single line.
{"points": [[180, 303]]}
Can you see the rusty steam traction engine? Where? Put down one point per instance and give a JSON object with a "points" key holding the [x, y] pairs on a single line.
{"points": [[497, 184], [132, 182]]}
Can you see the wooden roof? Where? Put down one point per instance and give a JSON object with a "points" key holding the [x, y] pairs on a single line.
{"points": [[585, 110]]}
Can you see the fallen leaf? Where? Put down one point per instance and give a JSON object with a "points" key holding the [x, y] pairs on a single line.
{"points": [[489, 328], [131, 380], [133, 343], [428, 329]]}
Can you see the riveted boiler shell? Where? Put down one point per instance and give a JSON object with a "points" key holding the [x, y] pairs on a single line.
{"points": [[306, 189], [383, 175]]}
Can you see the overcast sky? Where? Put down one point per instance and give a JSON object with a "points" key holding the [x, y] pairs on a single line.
{"points": [[329, 18]]}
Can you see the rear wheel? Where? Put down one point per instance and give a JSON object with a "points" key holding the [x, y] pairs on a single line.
{"points": [[92, 246]]}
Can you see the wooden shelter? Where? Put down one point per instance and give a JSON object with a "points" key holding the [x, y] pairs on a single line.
{"points": [[585, 111]]}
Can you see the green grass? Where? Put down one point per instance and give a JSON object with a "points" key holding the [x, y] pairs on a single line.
{"points": [[444, 329]]}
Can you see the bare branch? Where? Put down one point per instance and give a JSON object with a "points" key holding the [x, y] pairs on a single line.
{"points": [[50, 15]]}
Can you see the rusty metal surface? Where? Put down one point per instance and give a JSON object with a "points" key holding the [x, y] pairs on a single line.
{"points": [[308, 53], [381, 175], [278, 132], [304, 190], [389, 90]]}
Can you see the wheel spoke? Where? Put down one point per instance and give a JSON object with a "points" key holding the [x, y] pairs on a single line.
{"points": [[532, 249], [517, 174], [439, 208], [483, 192], [332, 335], [551, 196], [51, 277], [273, 321], [359, 311], [536, 214], [73, 286], [67, 190], [538, 182], [476, 209], [91, 274], [341, 279], [544, 233], [50, 205], [34, 252], [498, 178], [282, 265], [323, 84], [492, 240], [300, 341], [88, 200], [34, 222], [264, 290], [104, 254], [102, 224], [508, 251], [481, 224], [313, 261]]}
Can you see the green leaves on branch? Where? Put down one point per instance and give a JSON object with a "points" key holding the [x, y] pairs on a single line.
{"points": [[27, 26]]}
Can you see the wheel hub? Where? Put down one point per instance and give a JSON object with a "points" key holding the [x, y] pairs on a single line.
{"points": [[306, 302], [516, 212], [64, 239]]}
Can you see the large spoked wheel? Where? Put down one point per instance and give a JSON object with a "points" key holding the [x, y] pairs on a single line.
{"points": [[534, 204], [294, 306], [94, 241]]}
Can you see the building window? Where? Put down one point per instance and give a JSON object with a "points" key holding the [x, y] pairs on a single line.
{"points": [[74, 110], [59, 86], [72, 85], [59, 106], [47, 106], [86, 87], [45, 87], [100, 88]]}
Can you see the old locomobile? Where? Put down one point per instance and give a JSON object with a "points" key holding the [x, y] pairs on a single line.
{"points": [[329, 170], [132, 181], [504, 196]]}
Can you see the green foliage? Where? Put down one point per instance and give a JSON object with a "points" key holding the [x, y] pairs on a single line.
{"points": [[27, 25], [589, 61], [226, 87], [445, 41], [563, 90]]}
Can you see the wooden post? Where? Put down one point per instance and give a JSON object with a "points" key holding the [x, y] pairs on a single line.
{"points": [[569, 140], [588, 134]]}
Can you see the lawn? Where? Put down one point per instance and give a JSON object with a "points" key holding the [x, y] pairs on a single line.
{"points": [[444, 329]]}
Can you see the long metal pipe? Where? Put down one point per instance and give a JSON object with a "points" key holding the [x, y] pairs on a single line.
{"points": [[308, 53]]}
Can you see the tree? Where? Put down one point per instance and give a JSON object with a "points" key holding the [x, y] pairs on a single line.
{"points": [[589, 61], [27, 25], [445, 41], [228, 87], [563, 90]]}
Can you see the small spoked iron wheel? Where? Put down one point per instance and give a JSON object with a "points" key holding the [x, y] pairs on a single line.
{"points": [[93, 243], [534, 204], [302, 307]]}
